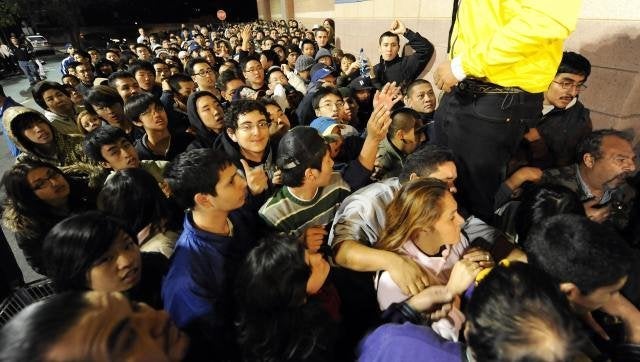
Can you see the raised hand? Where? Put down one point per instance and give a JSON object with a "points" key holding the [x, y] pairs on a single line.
{"points": [[257, 179], [379, 123], [389, 95], [398, 27]]}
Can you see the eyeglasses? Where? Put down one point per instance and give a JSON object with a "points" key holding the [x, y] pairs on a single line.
{"points": [[247, 127], [338, 105], [570, 85], [203, 73], [46, 181]]}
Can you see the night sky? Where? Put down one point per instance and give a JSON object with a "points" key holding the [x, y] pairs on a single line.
{"points": [[163, 11]]}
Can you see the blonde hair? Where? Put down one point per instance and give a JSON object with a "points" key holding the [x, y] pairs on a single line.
{"points": [[79, 121], [418, 204]]}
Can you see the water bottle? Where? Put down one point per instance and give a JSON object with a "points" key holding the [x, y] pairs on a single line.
{"points": [[364, 64]]}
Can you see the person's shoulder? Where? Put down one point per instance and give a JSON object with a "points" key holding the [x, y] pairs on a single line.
{"points": [[401, 342]]}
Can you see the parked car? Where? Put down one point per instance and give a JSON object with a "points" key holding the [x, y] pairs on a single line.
{"points": [[40, 44]]}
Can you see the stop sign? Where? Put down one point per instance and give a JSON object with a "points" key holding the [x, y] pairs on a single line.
{"points": [[221, 14]]}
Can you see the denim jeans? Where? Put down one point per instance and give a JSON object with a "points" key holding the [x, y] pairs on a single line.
{"points": [[483, 130], [30, 69]]}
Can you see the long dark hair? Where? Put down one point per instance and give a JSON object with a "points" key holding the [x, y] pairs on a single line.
{"points": [[20, 194], [274, 320], [133, 195], [73, 246]]}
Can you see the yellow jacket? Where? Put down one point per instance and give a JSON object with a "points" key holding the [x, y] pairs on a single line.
{"points": [[513, 43]]}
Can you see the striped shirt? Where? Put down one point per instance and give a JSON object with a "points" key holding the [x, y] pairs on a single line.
{"points": [[285, 212]]}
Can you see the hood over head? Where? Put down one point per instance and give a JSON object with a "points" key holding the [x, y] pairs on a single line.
{"points": [[12, 118], [203, 134]]}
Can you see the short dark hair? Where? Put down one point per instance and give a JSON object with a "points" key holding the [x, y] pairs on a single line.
{"points": [[82, 53], [401, 120], [138, 104], [320, 29], [307, 41], [74, 245], [414, 84], [349, 56], [192, 62], [425, 161], [517, 309], [194, 172], [174, 81], [226, 77], [133, 195], [101, 96], [105, 61], [73, 65], [240, 107], [388, 34], [43, 86], [574, 63], [541, 201], [271, 56], [69, 76], [141, 65], [323, 92], [592, 143], [140, 45], [122, 74], [574, 249], [245, 61], [299, 149], [30, 334], [101, 136]]}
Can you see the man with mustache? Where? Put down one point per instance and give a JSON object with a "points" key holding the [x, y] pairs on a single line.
{"points": [[565, 121], [605, 160]]}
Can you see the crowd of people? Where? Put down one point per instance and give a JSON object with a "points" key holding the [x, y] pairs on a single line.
{"points": [[253, 192]]}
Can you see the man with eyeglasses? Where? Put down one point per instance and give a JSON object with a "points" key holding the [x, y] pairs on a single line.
{"points": [[502, 56], [254, 73], [565, 121], [246, 142], [205, 77]]}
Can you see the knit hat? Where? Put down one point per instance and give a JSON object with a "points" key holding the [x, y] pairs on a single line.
{"points": [[304, 62], [322, 52]]}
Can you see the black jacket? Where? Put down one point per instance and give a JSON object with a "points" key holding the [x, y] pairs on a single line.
{"points": [[403, 70], [561, 130]]}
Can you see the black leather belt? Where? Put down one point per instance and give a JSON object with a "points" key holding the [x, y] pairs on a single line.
{"points": [[480, 87]]}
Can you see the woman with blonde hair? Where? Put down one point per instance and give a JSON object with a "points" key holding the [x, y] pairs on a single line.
{"points": [[423, 224]]}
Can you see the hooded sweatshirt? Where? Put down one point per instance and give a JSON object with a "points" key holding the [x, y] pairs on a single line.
{"points": [[204, 136], [69, 155]]}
